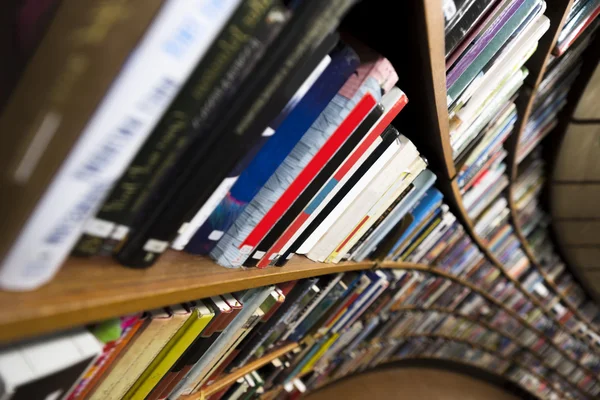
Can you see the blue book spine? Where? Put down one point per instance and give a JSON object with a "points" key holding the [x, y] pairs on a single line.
{"points": [[343, 63], [420, 211]]}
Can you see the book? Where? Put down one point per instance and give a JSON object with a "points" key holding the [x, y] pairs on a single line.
{"points": [[252, 113], [212, 82], [313, 150], [392, 102], [160, 327], [32, 369], [343, 62], [179, 343]]}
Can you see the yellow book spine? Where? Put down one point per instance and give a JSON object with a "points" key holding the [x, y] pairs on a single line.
{"points": [[309, 366], [167, 357]]}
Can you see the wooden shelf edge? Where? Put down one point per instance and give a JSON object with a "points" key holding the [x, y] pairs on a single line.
{"points": [[493, 329], [91, 290], [388, 264]]}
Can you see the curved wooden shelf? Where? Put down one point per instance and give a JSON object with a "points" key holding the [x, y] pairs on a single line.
{"points": [[499, 304], [557, 13], [494, 329], [90, 290], [458, 361]]}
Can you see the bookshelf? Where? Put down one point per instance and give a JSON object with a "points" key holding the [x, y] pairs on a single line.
{"points": [[95, 289]]}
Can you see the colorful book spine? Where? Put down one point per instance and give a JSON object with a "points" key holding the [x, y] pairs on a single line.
{"points": [[162, 363], [343, 62], [324, 137], [125, 118], [393, 102]]}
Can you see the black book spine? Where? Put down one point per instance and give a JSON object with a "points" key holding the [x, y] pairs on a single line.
{"points": [[388, 136], [250, 115], [317, 183], [214, 81]]}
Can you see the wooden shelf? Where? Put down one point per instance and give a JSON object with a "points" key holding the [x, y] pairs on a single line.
{"points": [[493, 300], [493, 329], [90, 290]]}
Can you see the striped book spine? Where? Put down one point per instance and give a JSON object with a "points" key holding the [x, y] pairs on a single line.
{"points": [[233, 248]]}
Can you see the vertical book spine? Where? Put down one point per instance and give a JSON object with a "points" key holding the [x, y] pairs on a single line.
{"points": [[173, 45]]}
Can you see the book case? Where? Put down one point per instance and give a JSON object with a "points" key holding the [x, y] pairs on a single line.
{"points": [[86, 291]]}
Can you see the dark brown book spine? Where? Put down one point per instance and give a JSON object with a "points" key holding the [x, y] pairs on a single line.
{"points": [[83, 51]]}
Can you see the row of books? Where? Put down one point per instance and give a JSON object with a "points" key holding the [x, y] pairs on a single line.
{"points": [[182, 349], [482, 179], [230, 153], [486, 70]]}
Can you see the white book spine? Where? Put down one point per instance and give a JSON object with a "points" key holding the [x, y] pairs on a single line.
{"points": [[352, 194], [358, 208], [155, 71], [388, 101], [382, 205]]}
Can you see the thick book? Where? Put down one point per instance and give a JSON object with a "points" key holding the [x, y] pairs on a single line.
{"points": [[72, 69], [315, 185], [226, 64], [179, 343], [162, 325], [192, 354], [380, 155], [257, 103], [317, 146], [343, 62], [48, 367], [297, 86], [392, 102]]}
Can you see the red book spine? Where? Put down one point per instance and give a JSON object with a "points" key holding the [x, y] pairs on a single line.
{"points": [[346, 166], [360, 111]]}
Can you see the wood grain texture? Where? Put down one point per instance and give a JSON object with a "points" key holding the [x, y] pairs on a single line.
{"points": [[90, 290]]}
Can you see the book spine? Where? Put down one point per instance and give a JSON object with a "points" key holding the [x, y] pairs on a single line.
{"points": [[339, 178], [343, 63], [118, 128], [223, 189], [70, 72], [210, 84], [271, 201]]}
